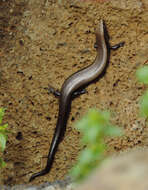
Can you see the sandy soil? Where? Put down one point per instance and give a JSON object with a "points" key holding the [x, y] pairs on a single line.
{"points": [[42, 42]]}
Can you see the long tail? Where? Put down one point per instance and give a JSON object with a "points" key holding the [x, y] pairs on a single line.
{"points": [[58, 135], [52, 151]]}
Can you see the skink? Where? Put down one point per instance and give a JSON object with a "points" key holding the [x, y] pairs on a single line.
{"points": [[73, 83]]}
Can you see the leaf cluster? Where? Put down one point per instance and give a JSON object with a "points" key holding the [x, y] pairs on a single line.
{"points": [[142, 75], [94, 126], [3, 135]]}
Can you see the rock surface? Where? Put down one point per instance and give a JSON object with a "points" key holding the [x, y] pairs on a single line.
{"points": [[127, 171]]}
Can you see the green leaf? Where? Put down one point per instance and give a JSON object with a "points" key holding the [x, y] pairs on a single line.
{"points": [[113, 131], [3, 127], [3, 139], [85, 156], [76, 170], [2, 111], [2, 163], [99, 148], [97, 116], [92, 134], [144, 105], [82, 124], [142, 74]]}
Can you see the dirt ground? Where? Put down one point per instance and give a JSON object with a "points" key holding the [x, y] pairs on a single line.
{"points": [[42, 42]]}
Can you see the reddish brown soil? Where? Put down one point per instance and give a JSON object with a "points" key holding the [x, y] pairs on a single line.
{"points": [[42, 42]]}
